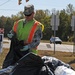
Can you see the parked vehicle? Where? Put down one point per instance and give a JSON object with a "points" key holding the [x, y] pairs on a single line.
{"points": [[56, 39]]}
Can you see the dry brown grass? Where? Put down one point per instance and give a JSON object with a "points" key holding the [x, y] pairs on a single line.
{"points": [[64, 56], [2, 56]]}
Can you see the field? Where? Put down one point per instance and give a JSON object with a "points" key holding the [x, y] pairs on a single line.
{"points": [[64, 56]]}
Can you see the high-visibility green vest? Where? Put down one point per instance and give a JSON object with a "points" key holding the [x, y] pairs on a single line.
{"points": [[26, 31]]}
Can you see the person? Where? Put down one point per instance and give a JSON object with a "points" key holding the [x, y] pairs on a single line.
{"points": [[0, 42], [1, 39], [25, 37]]}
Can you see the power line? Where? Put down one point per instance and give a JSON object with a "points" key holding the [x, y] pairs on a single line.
{"points": [[10, 9], [4, 3]]}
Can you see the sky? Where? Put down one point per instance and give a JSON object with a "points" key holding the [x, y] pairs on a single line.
{"points": [[9, 7]]}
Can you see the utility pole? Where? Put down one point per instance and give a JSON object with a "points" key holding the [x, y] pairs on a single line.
{"points": [[54, 24], [73, 29]]}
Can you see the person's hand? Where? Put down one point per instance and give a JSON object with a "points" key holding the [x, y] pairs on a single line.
{"points": [[10, 35], [25, 48]]}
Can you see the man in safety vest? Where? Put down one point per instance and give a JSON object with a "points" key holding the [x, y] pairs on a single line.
{"points": [[25, 37]]}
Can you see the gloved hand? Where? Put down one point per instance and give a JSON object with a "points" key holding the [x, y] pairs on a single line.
{"points": [[25, 48], [10, 35]]}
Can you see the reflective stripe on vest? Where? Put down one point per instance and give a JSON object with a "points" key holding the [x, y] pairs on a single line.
{"points": [[15, 27], [32, 32], [30, 37]]}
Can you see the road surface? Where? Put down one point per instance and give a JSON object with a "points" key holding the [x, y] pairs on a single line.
{"points": [[58, 47], [48, 46]]}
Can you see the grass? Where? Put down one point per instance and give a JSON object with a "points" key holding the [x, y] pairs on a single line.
{"points": [[2, 56], [64, 56]]}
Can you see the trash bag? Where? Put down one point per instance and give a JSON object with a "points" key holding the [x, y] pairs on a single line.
{"points": [[53, 62], [58, 67], [32, 64], [6, 71], [62, 70]]}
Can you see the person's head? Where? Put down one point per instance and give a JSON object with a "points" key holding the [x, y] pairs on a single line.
{"points": [[29, 12]]}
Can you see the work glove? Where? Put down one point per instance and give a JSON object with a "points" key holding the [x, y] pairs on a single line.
{"points": [[10, 35], [26, 47]]}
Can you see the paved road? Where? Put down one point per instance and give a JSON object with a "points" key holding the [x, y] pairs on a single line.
{"points": [[48, 46], [58, 47]]}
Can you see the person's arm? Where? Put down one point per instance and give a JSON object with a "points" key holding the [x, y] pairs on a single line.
{"points": [[35, 42], [36, 39]]}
